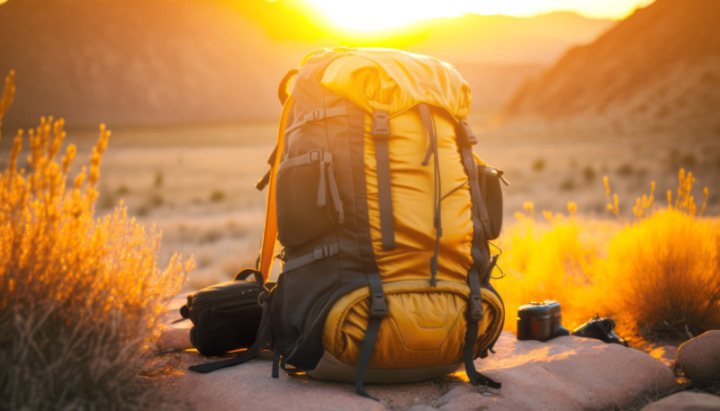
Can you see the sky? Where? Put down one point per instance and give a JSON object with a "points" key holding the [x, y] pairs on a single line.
{"points": [[368, 15]]}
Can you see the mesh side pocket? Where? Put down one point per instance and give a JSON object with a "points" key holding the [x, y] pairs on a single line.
{"points": [[306, 198]]}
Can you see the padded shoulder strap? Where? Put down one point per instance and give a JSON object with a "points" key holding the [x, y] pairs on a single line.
{"points": [[270, 231]]}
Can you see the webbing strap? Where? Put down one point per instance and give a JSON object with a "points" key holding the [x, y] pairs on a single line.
{"points": [[262, 340], [263, 182], [475, 307], [480, 256], [484, 217], [378, 310], [312, 156], [474, 376], [474, 314], [479, 253], [317, 115], [381, 135], [276, 365], [335, 194], [430, 128], [320, 252]]}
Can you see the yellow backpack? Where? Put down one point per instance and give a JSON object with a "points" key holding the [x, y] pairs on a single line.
{"points": [[384, 215]]}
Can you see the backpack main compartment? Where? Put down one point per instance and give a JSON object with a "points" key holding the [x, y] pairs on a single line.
{"points": [[374, 191]]}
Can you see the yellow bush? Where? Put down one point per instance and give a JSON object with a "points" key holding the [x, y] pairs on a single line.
{"points": [[80, 298], [661, 276], [552, 260], [657, 277]]}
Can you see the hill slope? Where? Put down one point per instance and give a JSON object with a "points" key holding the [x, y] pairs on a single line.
{"points": [[658, 68], [187, 61]]}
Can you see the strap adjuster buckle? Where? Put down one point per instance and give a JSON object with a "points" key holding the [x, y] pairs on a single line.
{"points": [[381, 123], [475, 311], [322, 251], [315, 115], [378, 305], [314, 156]]}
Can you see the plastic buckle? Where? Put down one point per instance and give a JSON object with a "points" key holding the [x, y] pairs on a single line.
{"points": [[476, 308], [314, 156], [378, 305], [322, 251], [315, 115], [381, 124]]}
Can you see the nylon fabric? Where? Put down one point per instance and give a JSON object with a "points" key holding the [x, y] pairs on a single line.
{"points": [[380, 79], [425, 326], [412, 202], [321, 309]]}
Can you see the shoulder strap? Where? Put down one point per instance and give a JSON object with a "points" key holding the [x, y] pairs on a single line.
{"points": [[482, 262]]}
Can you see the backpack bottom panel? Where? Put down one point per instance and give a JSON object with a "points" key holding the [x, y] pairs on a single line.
{"points": [[425, 326], [331, 369]]}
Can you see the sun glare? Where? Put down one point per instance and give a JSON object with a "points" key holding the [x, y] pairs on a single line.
{"points": [[374, 15]]}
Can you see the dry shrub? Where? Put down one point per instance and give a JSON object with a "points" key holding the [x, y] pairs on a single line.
{"points": [[661, 276], [657, 277], [81, 298], [664, 268], [549, 260]]}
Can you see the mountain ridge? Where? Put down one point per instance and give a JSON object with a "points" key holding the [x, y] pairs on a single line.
{"points": [[136, 62], [659, 66]]}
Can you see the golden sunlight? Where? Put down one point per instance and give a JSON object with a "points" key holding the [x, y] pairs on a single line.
{"points": [[372, 15]]}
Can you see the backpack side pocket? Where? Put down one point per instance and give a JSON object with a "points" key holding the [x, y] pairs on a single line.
{"points": [[489, 179], [308, 203]]}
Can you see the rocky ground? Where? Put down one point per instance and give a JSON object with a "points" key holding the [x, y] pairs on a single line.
{"points": [[568, 373]]}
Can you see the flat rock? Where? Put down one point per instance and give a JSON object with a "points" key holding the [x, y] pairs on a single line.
{"points": [[175, 337], [686, 401], [699, 358], [564, 373], [664, 353]]}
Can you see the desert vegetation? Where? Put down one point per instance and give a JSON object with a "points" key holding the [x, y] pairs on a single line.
{"points": [[81, 297], [655, 274]]}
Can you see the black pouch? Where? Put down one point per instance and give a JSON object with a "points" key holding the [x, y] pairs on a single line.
{"points": [[225, 316], [489, 179]]}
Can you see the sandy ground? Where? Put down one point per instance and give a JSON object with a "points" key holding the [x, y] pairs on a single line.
{"points": [[196, 183]]}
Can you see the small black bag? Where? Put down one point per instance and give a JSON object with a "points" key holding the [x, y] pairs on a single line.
{"points": [[225, 316], [540, 321]]}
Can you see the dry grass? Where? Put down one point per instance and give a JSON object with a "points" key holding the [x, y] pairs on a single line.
{"points": [[552, 258], [81, 298], [664, 269], [657, 276]]}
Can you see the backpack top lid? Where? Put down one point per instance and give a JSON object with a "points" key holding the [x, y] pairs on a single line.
{"points": [[393, 80]]}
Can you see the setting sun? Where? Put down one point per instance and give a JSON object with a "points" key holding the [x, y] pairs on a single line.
{"points": [[373, 15]]}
